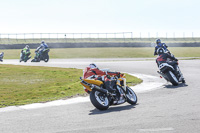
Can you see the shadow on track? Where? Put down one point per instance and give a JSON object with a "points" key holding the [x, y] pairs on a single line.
{"points": [[169, 86], [112, 109]]}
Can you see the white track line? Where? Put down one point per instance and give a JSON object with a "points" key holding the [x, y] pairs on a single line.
{"points": [[149, 83], [156, 129]]}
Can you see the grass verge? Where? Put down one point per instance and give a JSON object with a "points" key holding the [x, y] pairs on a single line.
{"points": [[111, 52], [29, 84]]}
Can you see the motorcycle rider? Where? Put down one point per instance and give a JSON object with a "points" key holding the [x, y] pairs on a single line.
{"points": [[26, 51], [1, 56], [160, 45], [43, 46], [92, 71]]}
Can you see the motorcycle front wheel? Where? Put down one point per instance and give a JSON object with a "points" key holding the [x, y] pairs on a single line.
{"points": [[172, 78], [46, 58], [99, 100], [131, 96], [25, 60]]}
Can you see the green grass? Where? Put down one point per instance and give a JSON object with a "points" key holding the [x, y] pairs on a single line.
{"points": [[132, 81], [30, 84], [111, 52]]}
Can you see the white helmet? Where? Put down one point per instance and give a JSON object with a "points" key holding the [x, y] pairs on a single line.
{"points": [[27, 46], [92, 65]]}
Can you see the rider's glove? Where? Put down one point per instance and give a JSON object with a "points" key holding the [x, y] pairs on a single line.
{"points": [[108, 76]]}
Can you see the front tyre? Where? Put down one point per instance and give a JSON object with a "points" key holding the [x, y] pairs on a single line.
{"points": [[183, 80], [131, 96], [172, 78], [25, 60], [46, 58], [99, 100]]}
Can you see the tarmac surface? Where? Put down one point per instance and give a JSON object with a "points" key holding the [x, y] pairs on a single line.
{"points": [[167, 109]]}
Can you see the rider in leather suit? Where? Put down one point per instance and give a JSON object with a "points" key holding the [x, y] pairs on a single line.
{"points": [[43, 46], [95, 73], [160, 45]]}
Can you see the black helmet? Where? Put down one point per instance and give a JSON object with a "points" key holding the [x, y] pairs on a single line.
{"points": [[160, 51], [158, 41]]}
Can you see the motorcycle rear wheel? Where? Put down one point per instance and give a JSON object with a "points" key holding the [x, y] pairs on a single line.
{"points": [[99, 100], [131, 96], [172, 78]]}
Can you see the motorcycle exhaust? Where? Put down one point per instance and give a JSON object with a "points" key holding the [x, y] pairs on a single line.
{"points": [[94, 87], [97, 88]]}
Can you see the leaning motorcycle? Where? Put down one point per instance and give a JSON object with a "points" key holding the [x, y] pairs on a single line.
{"points": [[101, 98], [168, 72], [1, 56], [44, 56], [24, 56]]}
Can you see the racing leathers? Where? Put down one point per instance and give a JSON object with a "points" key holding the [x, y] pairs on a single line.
{"points": [[159, 45], [42, 48], [26, 52], [97, 74]]}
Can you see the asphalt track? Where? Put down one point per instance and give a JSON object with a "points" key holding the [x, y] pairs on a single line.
{"points": [[167, 109]]}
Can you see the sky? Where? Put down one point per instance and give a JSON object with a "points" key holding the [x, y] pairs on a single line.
{"points": [[100, 16]]}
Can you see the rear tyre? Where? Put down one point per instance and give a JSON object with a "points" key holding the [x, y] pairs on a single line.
{"points": [[172, 78], [99, 100], [131, 96]]}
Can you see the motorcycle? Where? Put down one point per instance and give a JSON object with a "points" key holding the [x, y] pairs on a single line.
{"points": [[44, 56], [1, 56], [101, 98], [168, 72], [24, 56]]}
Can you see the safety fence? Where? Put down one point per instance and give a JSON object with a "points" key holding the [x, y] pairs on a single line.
{"points": [[120, 37]]}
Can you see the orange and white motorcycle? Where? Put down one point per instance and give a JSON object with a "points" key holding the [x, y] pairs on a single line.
{"points": [[101, 98]]}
